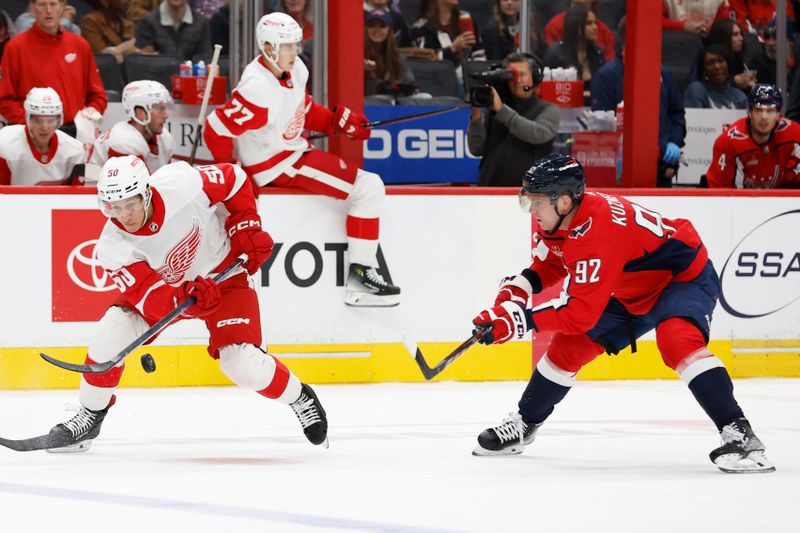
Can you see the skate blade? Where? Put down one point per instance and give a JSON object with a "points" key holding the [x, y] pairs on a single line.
{"points": [[325, 444], [82, 446], [365, 299], [753, 463], [480, 451]]}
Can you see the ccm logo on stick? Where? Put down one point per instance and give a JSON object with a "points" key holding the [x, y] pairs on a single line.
{"points": [[232, 322]]}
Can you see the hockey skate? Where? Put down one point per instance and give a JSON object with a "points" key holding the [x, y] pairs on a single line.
{"points": [[312, 416], [509, 438], [741, 451], [367, 288], [77, 433]]}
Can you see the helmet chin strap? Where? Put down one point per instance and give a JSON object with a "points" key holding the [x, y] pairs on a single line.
{"points": [[560, 218], [274, 62]]}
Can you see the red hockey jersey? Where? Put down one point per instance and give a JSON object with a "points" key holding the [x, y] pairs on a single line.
{"points": [[741, 163], [613, 247]]}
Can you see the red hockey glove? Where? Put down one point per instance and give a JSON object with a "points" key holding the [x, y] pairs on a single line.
{"points": [[247, 237], [349, 122], [504, 322], [206, 291], [519, 288]]}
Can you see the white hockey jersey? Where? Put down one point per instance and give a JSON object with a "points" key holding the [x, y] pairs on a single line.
{"points": [[124, 139], [186, 237], [22, 164], [265, 117]]}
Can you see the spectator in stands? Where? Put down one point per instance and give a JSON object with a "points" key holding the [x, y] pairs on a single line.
{"points": [[759, 151], [554, 31], [384, 69], [37, 153], [6, 31], [516, 130], [450, 32], [607, 93], [174, 29], [402, 37], [765, 65], [693, 15], [107, 29], [714, 91], [728, 35], [25, 21], [48, 56], [219, 25], [578, 48], [754, 15], [300, 10], [501, 36], [138, 9], [547, 9]]}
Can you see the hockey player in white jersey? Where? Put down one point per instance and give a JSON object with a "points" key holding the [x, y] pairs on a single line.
{"points": [[165, 234], [145, 134], [38, 153], [261, 127]]}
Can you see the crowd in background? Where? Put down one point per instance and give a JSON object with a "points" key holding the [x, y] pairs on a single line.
{"points": [[735, 43]]}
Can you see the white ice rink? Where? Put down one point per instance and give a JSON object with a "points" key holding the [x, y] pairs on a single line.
{"points": [[622, 456]]}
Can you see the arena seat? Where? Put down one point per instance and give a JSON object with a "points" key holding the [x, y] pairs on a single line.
{"points": [[110, 72], [679, 50], [435, 77], [146, 67]]}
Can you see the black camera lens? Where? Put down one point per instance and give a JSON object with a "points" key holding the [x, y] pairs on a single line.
{"points": [[480, 96]]}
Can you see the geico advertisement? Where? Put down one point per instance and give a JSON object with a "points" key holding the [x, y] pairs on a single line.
{"points": [[426, 150], [445, 252]]}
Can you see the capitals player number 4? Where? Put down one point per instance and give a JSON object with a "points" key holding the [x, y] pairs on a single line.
{"points": [[586, 271]]}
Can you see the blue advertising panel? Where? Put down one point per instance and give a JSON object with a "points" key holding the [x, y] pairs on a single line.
{"points": [[427, 150]]}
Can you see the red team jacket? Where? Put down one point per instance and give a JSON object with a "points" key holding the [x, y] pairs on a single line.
{"points": [[617, 248], [741, 163]]}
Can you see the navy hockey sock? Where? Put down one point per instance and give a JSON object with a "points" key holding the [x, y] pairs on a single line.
{"points": [[540, 397], [713, 390]]}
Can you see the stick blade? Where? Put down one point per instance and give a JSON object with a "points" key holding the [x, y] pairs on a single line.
{"points": [[427, 372], [83, 369]]}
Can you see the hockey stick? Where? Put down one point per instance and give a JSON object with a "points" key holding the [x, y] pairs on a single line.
{"points": [[397, 120], [431, 372], [212, 71], [99, 368]]}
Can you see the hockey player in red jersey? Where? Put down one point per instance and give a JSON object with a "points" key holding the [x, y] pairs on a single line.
{"points": [[261, 127], [166, 233], [145, 134], [38, 153], [759, 151], [625, 271]]}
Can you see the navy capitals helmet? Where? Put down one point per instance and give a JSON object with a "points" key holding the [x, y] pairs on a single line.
{"points": [[554, 175], [766, 95]]}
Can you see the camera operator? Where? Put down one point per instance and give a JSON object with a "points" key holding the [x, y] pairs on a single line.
{"points": [[517, 129]]}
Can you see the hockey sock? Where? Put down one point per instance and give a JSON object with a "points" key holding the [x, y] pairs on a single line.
{"points": [[540, 397], [713, 390]]}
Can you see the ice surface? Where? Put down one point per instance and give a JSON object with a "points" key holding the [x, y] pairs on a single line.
{"points": [[627, 456]]}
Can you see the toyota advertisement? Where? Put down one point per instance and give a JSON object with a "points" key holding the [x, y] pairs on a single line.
{"points": [[53, 289]]}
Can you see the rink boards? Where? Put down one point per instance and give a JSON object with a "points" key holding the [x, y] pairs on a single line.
{"points": [[447, 248]]}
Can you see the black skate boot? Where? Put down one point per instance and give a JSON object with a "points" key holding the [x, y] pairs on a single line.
{"points": [[367, 288], [509, 438], [741, 451], [312, 416], [77, 433]]}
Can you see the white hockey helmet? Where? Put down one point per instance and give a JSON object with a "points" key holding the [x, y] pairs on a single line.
{"points": [[277, 29], [43, 101], [144, 94], [122, 178]]}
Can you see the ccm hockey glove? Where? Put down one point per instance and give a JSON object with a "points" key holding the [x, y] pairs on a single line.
{"points": [[205, 291], [502, 323], [351, 123], [248, 237]]}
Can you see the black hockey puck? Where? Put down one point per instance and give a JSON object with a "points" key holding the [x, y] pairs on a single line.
{"points": [[148, 363]]}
